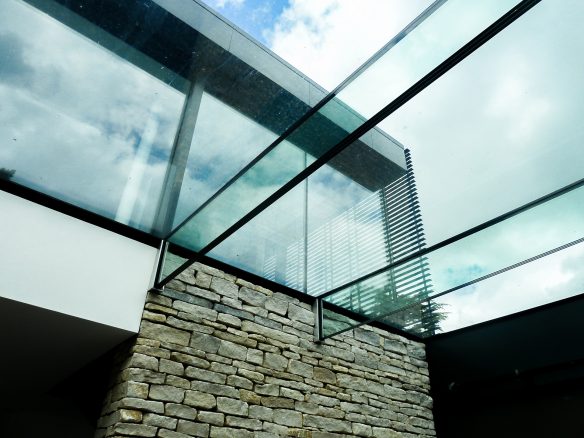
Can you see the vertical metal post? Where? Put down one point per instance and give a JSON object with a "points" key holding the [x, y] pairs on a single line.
{"points": [[305, 224], [160, 266], [317, 309], [180, 154]]}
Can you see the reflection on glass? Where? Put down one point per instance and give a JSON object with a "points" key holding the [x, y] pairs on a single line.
{"points": [[535, 231], [271, 245], [219, 132], [79, 122], [327, 127], [334, 322], [543, 281], [437, 37], [504, 126], [171, 262], [341, 223]]}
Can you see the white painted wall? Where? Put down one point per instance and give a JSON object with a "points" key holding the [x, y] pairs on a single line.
{"points": [[57, 262]]}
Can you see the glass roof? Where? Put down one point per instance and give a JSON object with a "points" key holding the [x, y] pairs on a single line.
{"points": [[438, 186]]}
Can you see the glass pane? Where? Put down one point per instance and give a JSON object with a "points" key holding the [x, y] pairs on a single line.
{"points": [[553, 278], [503, 127], [535, 231], [272, 244], [171, 263], [334, 322], [351, 202], [338, 221], [220, 130], [316, 135], [79, 120], [449, 27]]}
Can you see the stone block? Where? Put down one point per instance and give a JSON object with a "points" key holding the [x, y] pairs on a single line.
{"points": [[203, 279], [213, 418], [177, 382], [381, 432], [367, 336], [160, 421], [142, 376], [297, 313], [142, 405], [166, 393], [229, 320], [291, 393], [252, 297], [165, 433], [232, 350], [130, 416], [171, 367], [190, 360], [255, 356], [275, 361], [180, 411], [285, 338], [324, 375], [196, 310], [276, 428], [268, 389], [239, 382], [207, 343], [134, 430], [232, 406], [193, 429], [277, 306], [229, 432], [224, 287], [203, 293], [322, 400], [306, 407], [164, 333], [200, 399], [300, 368], [278, 402], [215, 389], [154, 317], [205, 375], [261, 413], [156, 298], [327, 424], [246, 423], [233, 311], [251, 375], [249, 397], [288, 417]]}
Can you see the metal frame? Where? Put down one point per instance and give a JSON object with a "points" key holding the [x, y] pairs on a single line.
{"points": [[397, 103], [461, 286], [461, 236]]}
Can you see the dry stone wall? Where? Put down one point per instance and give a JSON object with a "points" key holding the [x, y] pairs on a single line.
{"points": [[219, 357]]}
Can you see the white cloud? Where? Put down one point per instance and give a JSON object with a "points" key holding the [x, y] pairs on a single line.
{"points": [[329, 39], [78, 122], [552, 278]]}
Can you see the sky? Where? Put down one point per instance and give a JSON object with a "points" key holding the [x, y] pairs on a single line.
{"points": [[499, 130]]}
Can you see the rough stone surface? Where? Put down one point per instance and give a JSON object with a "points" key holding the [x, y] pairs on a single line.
{"points": [[218, 357]]}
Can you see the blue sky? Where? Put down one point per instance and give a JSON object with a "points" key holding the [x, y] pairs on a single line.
{"points": [[253, 16]]}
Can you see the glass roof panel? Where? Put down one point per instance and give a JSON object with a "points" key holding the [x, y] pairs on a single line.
{"points": [[327, 230], [274, 169], [530, 235], [502, 128], [414, 53], [556, 277]]}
